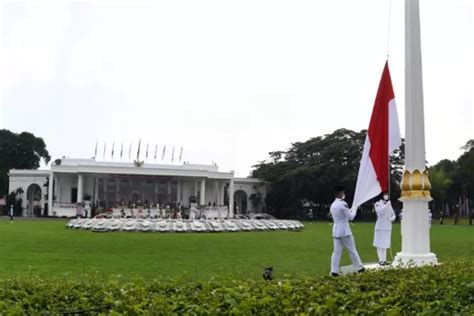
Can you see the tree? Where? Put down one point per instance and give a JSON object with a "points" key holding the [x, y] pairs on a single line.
{"points": [[469, 145], [464, 174], [15, 199], [453, 181], [441, 183], [308, 171], [19, 151]]}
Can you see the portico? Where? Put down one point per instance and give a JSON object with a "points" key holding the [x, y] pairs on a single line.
{"points": [[116, 184]]}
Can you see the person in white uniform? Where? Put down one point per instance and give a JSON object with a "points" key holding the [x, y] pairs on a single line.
{"points": [[383, 227], [342, 234]]}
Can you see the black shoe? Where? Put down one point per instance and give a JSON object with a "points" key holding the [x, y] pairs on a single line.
{"points": [[334, 274], [382, 263], [361, 270]]}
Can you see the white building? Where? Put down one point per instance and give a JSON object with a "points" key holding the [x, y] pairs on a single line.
{"points": [[114, 184]]}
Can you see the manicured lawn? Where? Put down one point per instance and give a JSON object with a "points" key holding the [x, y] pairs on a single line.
{"points": [[48, 249]]}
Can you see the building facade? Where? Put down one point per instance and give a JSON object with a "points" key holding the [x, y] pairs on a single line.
{"points": [[72, 182]]}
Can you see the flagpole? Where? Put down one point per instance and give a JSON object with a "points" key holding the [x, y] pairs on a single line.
{"points": [[415, 186]]}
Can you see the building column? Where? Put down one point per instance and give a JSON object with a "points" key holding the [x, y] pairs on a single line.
{"points": [[231, 198], [105, 189], [169, 192], [42, 203], [178, 191], [117, 190], [155, 192], [216, 191], [96, 190], [202, 198], [58, 188], [50, 194], [222, 193], [196, 188], [80, 184]]}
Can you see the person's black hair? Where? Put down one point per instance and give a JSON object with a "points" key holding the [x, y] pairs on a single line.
{"points": [[339, 189], [380, 196]]}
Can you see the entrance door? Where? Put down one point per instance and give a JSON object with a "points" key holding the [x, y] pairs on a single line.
{"points": [[33, 196], [240, 198], [74, 195], [136, 197]]}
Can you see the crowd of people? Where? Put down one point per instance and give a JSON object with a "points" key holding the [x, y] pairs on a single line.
{"points": [[132, 210]]}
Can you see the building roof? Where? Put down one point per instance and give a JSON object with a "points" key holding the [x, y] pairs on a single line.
{"points": [[67, 165], [28, 173], [126, 168]]}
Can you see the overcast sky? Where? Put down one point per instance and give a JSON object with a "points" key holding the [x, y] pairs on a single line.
{"points": [[227, 80]]}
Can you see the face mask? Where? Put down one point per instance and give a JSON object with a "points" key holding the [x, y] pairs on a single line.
{"points": [[343, 196], [385, 197]]}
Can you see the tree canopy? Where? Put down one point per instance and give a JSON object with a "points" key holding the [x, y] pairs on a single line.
{"points": [[19, 151], [453, 181], [308, 171]]}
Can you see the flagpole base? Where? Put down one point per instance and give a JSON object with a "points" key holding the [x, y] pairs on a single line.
{"points": [[414, 259]]}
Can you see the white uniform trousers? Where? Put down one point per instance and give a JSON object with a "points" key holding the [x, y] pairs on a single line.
{"points": [[382, 254], [349, 244]]}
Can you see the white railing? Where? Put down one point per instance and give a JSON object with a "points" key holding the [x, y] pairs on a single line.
{"points": [[64, 205]]}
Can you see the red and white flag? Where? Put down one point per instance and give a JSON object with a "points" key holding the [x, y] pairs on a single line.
{"points": [[383, 137]]}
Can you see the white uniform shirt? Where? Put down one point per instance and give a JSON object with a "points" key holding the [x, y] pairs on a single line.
{"points": [[341, 215], [385, 215]]}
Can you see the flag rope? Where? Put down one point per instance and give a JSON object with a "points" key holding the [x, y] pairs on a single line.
{"points": [[388, 28], [389, 175]]}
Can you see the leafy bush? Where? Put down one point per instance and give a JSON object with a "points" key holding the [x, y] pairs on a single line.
{"points": [[444, 289]]}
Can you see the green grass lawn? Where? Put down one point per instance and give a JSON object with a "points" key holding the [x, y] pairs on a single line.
{"points": [[46, 248]]}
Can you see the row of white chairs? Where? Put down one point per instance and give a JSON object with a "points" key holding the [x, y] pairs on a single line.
{"points": [[173, 225]]}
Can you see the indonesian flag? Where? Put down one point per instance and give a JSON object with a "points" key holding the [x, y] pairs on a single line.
{"points": [[383, 137]]}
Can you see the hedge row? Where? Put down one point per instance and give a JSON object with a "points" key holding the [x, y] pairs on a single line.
{"points": [[444, 289]]}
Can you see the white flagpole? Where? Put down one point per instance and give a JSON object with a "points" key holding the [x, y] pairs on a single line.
{"points": [[415, 195]]}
